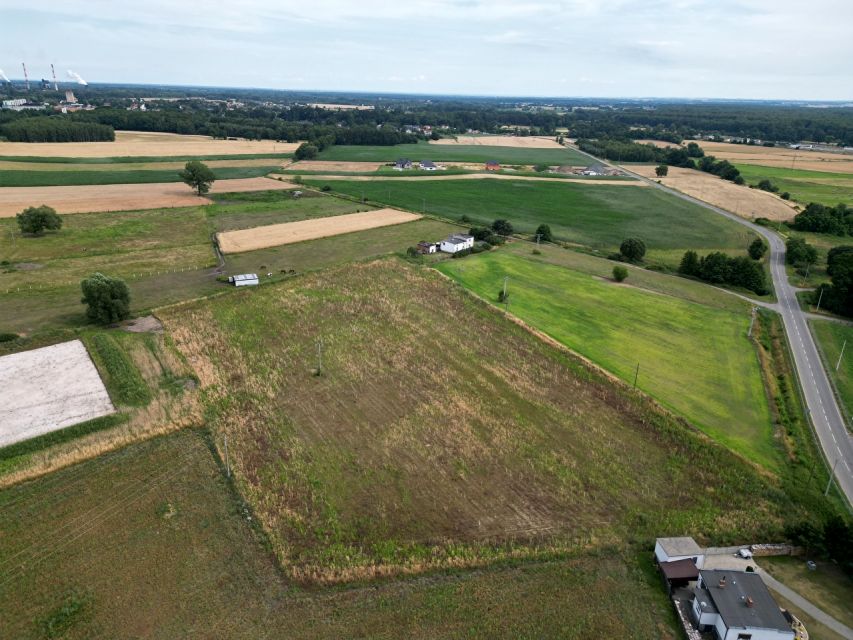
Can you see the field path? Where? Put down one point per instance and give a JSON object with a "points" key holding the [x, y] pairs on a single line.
{"points": [[123, 197]]}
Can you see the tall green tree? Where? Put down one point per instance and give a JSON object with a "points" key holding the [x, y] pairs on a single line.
{"points": [[757, 249], [107, 299], [661, 170], [544, 233], [689, 264], [37, 220], [633, 249], [503, 227], [799, 252], [198, 176]]}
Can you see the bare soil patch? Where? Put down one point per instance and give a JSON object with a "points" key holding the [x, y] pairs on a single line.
{"points": [[519, 142], [145, 324], [123, 197], [49, 389], [332, 166], [745, 202], [289, 232], [780, 157], [143, 143]]}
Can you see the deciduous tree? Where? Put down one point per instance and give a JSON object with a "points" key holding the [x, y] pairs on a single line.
{"points": [[107, 299], [198, 176], [37, 220]]}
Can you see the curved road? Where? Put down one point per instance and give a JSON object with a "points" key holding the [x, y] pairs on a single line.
{"points": [[829, 424]]}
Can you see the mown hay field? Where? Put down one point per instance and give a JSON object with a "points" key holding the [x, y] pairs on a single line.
{"points": [[597, 215], [745, 202], [519, 443], [694, 359], [292, 232], [146, 144], [780, 157], [152, 542]]}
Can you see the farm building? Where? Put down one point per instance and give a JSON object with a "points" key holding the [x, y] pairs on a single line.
{"points": [[738, 606], [595, 169], [428, 165], [457, 242], [683, 548], [244, 280], [427, 247], [403, 163], [493, 165]]}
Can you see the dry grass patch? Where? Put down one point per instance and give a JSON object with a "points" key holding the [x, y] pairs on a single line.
{"points": [[123, 197], [333, 166], [289, 232], [519, 142], [747, 203], [144, 143], [780, 157]]}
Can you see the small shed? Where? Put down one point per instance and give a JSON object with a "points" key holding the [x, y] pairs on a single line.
{"points": [[244, 280], [679, 573], [493, 165], [681, 548], [427, 247]]}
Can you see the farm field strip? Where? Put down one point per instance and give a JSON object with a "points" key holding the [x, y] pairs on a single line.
{"points": [[781, 157], [804, 186], [117, 175], [290, 232], [519, 142], [147, 144], [483, 176], [123, 197], [693, 358], [454, 153], [49, 389], [119, 167], [745, 202]]}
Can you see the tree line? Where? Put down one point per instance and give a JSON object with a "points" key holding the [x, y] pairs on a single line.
{"points": [[720, 268], [56, 129]]}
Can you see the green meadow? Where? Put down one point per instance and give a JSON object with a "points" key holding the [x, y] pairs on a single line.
{"points": [[693, 358], [25, 178], [598, 215], [830, 337], [804, 186], [454, 153]]}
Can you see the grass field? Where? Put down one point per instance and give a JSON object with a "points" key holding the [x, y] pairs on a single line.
{"points": [[804, 186], [520, 442], [828, 588], [599, 216], [830, 337], [454, 153], [693, 358], [136, 160], [27, 178], [166, 551]]}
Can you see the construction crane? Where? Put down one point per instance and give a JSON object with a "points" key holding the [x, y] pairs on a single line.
{"points": [[55, 84], [26, 77]]}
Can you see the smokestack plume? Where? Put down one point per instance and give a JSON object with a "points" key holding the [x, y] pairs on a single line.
{"points": [[76, 76], [4, 77]]}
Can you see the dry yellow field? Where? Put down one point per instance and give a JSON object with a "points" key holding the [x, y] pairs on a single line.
{"points": [[661, 144], [132, 166], [745, 202], [143, 143], [122, 197], [274, 235], [780, 157], [522, 142], [333, 166]]}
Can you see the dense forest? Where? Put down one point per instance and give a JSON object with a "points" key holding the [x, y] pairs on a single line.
{"points": [[56, 129]]}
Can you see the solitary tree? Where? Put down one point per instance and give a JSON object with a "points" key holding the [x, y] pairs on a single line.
{"points": [[633, 249], [619, 273], [544, 233], [198, 176], [502, 227], [661, 171], [757, 249], [107, 299], [35, 220]]}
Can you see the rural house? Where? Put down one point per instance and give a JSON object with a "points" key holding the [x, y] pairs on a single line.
{"points": [[403, 163], [738, 606], [493, 165], [428, 165], [244, 280], [457, 242]]}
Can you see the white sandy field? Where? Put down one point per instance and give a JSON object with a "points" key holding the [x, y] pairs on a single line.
{"points": [[49, 389], [273, 235]]}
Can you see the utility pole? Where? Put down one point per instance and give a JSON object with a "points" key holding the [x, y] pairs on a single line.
{"points": [[506, 300], [819, 298], [838, 364], [319, 356], [636, 375], [831, 477], [227, 463]]}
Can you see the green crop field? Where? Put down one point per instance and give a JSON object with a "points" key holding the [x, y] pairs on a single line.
{"points": [[595, 215], [26, 178], [830, 337], [695, 359], [804, 186], [419, 380], [455, 153], [165, 551], [141, 159]]}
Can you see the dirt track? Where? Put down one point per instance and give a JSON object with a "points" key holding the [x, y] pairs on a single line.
{"points": [[747, 203], [274, 235], [122, 197], [521, 142], [140, 143]]}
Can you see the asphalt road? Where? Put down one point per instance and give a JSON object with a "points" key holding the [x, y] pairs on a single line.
{"points": [[820, 400]]}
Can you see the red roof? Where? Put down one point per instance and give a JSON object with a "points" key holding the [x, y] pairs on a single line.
{"points": [[680, 569]]}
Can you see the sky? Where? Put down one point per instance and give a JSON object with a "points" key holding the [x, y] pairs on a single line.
{"points": [[740, 49]]}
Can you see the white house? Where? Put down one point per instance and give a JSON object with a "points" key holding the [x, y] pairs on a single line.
{"points": [[457, 242], [244, 280], [671, 549], [738, 606], [428, 165]]}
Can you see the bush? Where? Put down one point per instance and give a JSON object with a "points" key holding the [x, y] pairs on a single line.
{"points": [[8, 337], [35, 220], [503, 227], [107, 299], [766, 185], [785, 195], [306, 151], [633, 249], [757, 249], [800, 252], [661, 171], [541, 168], [619, 273], [325, 187], [544, 233]]}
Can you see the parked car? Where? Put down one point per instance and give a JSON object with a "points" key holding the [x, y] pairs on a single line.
{"points": [[746, 554]]}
